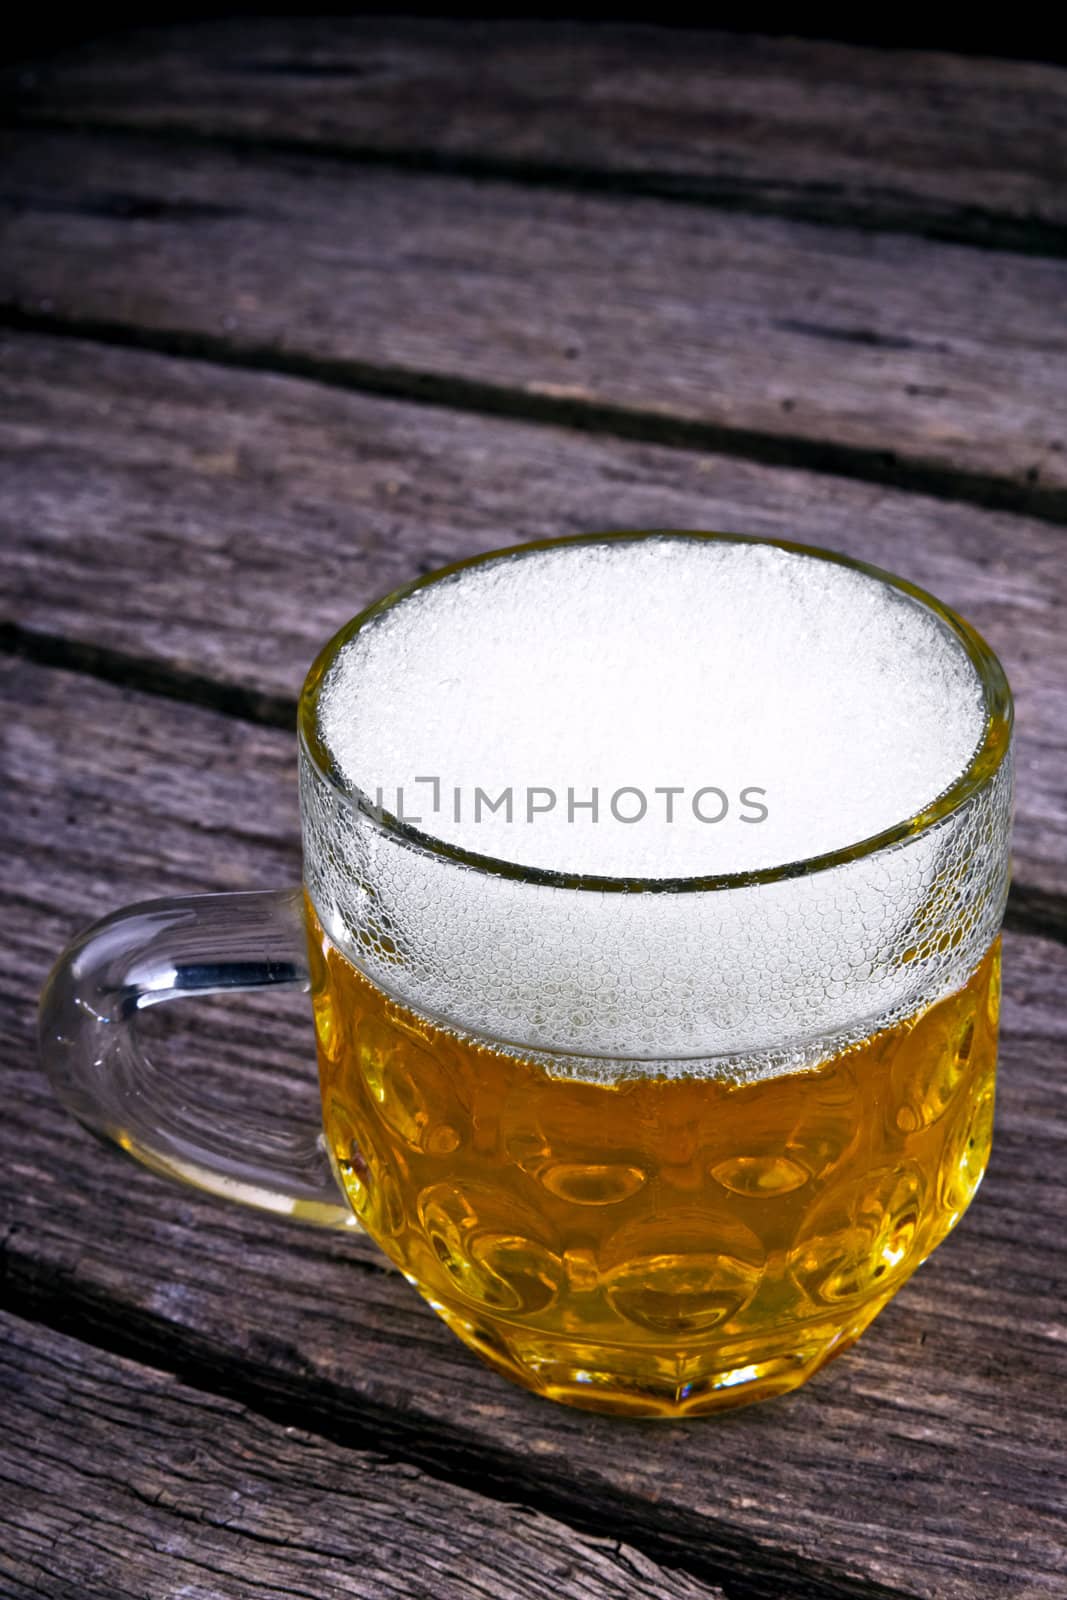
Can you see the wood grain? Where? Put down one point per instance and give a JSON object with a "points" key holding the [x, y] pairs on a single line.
{"points": [[120, 1482], [592, 270], [961, 149], [884, 357], [926, 1463], [216, 527]]}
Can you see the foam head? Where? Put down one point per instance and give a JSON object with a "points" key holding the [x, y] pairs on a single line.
{"points": [[661, 708]]}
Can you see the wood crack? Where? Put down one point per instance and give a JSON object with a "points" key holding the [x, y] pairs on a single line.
{"points": [[825, 204], [149, 677], [886, 468], [702, 1548]]}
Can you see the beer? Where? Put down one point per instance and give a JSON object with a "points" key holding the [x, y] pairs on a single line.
{"points": [[653, 896], [656, 1247]]}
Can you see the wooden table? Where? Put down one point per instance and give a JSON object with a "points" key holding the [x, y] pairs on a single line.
{"points": [[292, 311]]}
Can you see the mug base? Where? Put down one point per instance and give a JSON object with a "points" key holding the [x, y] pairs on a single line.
{"points": [[657, 1381]]}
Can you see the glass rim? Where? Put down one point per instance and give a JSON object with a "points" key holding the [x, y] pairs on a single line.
{"points": [[982, 767]]}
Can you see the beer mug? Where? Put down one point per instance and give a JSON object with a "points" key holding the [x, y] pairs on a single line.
{"points": [[650, 916]]}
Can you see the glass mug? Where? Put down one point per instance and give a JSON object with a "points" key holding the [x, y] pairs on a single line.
{"points": [[651, 908]]}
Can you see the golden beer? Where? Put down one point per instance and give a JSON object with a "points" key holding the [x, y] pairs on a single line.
{"points": [[656, 1248]]}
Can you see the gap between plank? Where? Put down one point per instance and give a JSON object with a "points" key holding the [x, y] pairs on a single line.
{"points": [[822, 204], [454, 392], [146, 676], [710, 1552]]}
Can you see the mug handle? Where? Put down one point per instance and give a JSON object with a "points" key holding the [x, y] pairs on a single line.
{"points": [[150, 954]]}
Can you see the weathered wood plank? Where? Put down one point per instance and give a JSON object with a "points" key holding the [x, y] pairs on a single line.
{"points": [[966, 149], [928, 1460], [222, 525], [902, 360], [120, 1481]]}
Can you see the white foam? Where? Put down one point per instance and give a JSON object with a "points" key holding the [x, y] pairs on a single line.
{"points": [[693, 664], [642, 666]]}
